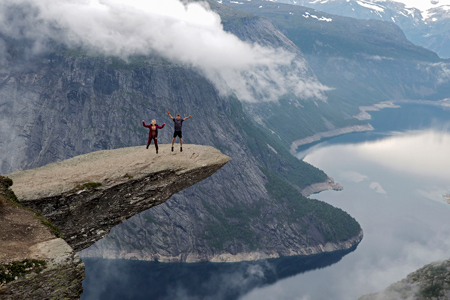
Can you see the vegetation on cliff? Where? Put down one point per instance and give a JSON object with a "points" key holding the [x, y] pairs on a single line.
{"points": [[12, 271], [285, 175], [7, 195], [431, 282], [34, 264]]}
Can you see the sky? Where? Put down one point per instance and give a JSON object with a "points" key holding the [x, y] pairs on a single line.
{"points": [[188, 34]]}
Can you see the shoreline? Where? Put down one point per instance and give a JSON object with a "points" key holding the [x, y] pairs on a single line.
{"points": [[329, 184], [240, 257], [363, 115], [326, 134], [444, 102]]}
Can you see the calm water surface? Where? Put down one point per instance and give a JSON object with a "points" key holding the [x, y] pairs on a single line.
{"points": [[393, 178]]}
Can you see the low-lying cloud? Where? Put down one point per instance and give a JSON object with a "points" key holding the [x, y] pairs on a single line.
{"points": [[376, 186], [353, 176], [186, 33], [440, 70]]}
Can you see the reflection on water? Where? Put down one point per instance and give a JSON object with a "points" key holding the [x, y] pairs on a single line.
{"points": [[417, 153], [389, 179], [125, 279]]}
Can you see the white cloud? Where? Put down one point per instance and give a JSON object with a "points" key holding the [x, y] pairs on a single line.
{"points": [[376, 186], [190, 34], [434, 193], [440, 70], [353, 176], [377, 57]]}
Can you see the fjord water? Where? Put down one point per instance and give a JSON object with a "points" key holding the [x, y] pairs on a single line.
{"points": [[393, 177], [140, 280]]}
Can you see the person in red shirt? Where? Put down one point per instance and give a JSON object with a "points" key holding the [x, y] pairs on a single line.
{"points": [[153, 133]]}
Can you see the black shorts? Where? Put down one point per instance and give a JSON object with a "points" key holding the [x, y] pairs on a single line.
{"points": [[177, 133]]}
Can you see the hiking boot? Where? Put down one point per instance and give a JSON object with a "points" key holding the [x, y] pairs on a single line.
{"points": [[172, 149], [181, 149]]}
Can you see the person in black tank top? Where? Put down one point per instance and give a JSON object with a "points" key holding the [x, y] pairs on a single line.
{"points": [[178, 122]]}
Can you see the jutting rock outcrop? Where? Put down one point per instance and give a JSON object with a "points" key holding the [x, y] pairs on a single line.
{"points": [[81, 199], [89, 194]]}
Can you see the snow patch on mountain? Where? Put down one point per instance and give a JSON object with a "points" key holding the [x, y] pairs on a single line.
{"points": [[370, 5], [380, 5], [308, 15]]}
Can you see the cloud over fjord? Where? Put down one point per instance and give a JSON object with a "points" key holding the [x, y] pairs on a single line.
{"points": [[189, 34]]}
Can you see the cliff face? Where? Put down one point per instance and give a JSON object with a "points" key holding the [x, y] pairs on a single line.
{"points": [[431, 282], [61, 278], [65, 103], [34, 263], [245, 221], [84, 197]]}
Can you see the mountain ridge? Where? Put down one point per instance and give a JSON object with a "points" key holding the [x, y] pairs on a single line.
{"points": [[424, 23]]}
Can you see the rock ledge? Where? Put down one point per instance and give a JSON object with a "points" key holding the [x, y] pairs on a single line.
{"points": [[69, 194]]}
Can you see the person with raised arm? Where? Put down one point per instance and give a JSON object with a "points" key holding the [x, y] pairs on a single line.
{"points": [[178, 122], [153, 132]]}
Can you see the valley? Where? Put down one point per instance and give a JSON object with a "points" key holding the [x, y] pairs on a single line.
{"points": [[260, 79]]}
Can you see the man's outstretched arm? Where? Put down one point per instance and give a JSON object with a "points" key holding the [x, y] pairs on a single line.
{"points": [[145, 125], [187, 118], [168, 112]]}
